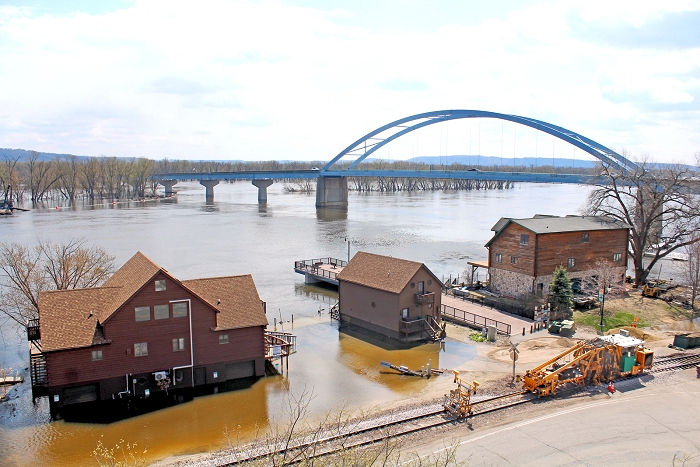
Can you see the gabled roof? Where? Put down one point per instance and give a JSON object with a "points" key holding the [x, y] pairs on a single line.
{"points": [[68, 318], [544, 224], [235, 299], [380, 272]]}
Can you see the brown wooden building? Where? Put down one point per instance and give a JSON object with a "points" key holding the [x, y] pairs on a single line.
{"points": [[144, 330], [390, 297], [523, 253]]}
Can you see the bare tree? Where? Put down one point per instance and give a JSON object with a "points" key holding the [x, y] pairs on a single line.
{"points": [[42, 176], [658, 206], [605, 278], [90, 177], [24, 272], [69, 177], [692, 271]]}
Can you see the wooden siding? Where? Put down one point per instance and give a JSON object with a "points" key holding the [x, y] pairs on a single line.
{"points": [[508, 244], [75, 366], [556, 248], [356, 302]]}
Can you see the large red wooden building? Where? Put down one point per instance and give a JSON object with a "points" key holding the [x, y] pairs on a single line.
{"points": [[144, 331], [523, 253]]}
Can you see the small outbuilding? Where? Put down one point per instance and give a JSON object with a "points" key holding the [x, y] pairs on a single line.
{"points": [[390, 297]]}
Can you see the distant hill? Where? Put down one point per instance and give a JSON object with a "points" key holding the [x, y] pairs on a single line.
{"points": [[487, 161], [507, 161], [23, 155]]}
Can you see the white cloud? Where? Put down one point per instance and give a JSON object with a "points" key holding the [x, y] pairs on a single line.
{"points": [[270, 80]]}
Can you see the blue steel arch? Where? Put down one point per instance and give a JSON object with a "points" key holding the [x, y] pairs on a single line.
{"points": [[414, 122]]}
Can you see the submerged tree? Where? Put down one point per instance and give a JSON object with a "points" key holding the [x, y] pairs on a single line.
{"points": [[24, 272], [657, 204], [560, 295]]}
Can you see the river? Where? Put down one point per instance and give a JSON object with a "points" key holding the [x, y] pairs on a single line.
{"points": [[233, 235]]}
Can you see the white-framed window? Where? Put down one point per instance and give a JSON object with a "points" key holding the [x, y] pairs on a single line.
{"points": [[584, 237], [142, 313], [513, 260], [404, 313], [617, 257], [96, 355], [223, 338], [179, 309], [499, 258], [160, 285], [524, 239], [161, 311], [178, 344], [571, 262], [141, 349]]}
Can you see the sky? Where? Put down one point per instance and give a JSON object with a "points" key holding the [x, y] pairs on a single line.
{"points": [[301, 80]]}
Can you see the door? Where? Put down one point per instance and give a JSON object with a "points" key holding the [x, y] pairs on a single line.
{"points": [[421, 288], [200, 376]]}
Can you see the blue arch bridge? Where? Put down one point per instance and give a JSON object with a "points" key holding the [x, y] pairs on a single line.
{"points": [[332, 183]]}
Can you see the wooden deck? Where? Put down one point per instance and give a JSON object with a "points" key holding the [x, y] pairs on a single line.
{"points": [[320, 269], [479, 316]]}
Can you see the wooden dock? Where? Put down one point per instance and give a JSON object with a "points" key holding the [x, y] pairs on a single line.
{"points": [[320, 270]]}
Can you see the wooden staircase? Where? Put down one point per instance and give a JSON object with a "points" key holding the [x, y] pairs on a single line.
{"points": [[38, 371]]}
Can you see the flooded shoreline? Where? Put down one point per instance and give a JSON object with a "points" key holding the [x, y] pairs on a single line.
{"points": [[236, 236]]}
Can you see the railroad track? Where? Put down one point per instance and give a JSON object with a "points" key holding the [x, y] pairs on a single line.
{"points": [[675, 362], [365, 436], [431, 417]]}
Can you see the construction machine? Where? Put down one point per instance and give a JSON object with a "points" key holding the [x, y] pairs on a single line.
{"points": [[458, 401], [590, 362]]}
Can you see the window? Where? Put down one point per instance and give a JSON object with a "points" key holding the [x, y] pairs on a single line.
{"points": [[524, 239], [141, 349], [617, 257], [499, 258], [179, 309], [584, 237], [571, 262], [143, 313], [96, 355], [513, 260], [160, 285], [161, 312], [404, 313], [223, 338], [178, 344]]}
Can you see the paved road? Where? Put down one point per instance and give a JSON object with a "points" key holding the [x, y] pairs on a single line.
{"points": [[638, 425]]}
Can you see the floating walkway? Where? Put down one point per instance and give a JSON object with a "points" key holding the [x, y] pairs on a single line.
{"points": [[320, 270]]}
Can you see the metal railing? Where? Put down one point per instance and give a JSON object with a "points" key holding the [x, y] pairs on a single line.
{"points": [[413, 326], [474, 319], [33, 333], [287, 343], [313, 266]]}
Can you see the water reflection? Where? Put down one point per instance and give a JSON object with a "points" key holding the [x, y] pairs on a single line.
{"points": [[209, 206], [331, 214]]}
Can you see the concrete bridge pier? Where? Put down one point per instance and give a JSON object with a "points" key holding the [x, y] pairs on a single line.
{"points": [[262, 185], [209, 185], [332, 192], [168, 184]]}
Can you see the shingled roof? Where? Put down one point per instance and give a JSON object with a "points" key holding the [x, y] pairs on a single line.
{"points": [[68, 318], [380, 272], [543, 224], [235, 299]]}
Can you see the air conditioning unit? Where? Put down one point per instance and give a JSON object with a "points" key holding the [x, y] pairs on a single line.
{"points": [[160, 375]]}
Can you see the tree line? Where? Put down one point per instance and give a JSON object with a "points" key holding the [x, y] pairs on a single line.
{"points": [[38, 179]]}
